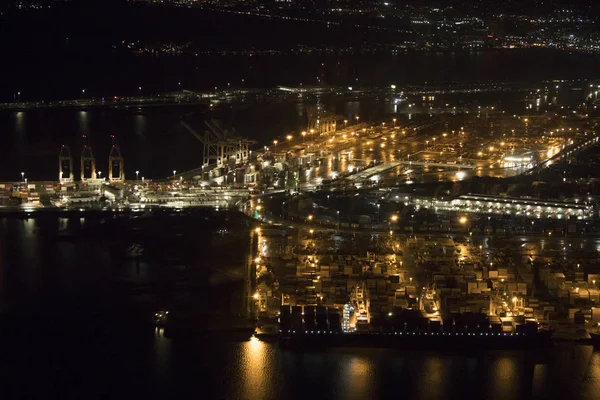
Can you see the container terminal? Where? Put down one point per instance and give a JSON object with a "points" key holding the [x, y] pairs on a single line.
{"points": [[376, 226]]}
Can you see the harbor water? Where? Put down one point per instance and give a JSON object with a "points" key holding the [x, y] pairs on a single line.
{"points": [[48, 274]]}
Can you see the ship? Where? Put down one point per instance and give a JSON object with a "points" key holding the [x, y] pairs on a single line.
{"points": [[322, 327], [439, 341]]}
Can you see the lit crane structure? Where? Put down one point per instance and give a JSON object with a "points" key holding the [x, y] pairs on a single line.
{"points": [[320, 121], [88, 162], [221, 147], [65, 164], [116, 171]]}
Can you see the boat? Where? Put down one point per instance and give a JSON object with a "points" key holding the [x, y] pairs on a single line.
{"points": [[324, 327], [161, 318], [267, 333]]}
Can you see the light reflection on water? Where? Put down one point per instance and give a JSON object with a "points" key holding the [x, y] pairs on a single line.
{"points": [[267, 372], [252, 369], [255, 368], [434, 377], [503, 380]]}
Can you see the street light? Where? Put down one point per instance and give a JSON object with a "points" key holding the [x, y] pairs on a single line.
{"points": [[137, 175], [394, 122], [275, 143], [394, 218], [22, 176], [303, 135], [357, 118], [345, 123], [174, 172], [289, 137], [99, 174]]}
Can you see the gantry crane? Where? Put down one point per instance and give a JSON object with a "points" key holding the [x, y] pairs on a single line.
{"points": [[220, 146]]}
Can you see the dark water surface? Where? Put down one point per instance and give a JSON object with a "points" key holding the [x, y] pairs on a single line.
{"points": [[187, 264]]}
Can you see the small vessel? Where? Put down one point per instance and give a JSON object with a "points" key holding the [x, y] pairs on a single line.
{"points": [[267, 333], [161, 317]]}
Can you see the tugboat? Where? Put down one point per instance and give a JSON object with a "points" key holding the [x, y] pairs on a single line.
{"points": [[161, 317]]}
